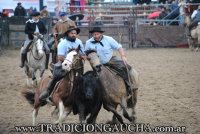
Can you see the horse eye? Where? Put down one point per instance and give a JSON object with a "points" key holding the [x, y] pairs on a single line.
{"points": [[65, 64]]}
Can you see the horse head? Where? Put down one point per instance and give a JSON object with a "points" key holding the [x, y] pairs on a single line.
{"points": [[72, 60], [39, 43], [94, 59]]}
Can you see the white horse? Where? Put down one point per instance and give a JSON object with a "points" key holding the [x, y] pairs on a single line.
{"points": [[36, 60], [194, 42]]}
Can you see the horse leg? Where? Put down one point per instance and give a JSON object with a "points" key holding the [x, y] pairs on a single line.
{"points": [[125, 113], [55, 111], [94, 113], [82, 116], [62, 113], [134, 101], [198, 42], [35, 113], [113, 110]]}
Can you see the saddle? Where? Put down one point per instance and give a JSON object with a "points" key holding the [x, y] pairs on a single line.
{"points": [[121, 71]]}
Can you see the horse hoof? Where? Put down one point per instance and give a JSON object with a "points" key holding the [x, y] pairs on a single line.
{"points": [[133, 118]]}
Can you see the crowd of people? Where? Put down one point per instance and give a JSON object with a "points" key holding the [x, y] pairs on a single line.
{"points": [[161, 1]]}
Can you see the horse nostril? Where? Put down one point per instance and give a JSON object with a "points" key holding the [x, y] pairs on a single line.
{"points": [[65, 64]]}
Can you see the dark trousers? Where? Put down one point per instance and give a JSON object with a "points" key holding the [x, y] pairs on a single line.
{"points": [[193, 24]]}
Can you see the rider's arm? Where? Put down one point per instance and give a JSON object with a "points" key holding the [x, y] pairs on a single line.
{"points": [[193, 14], [61, 50], [61, 58], [123, 57]]}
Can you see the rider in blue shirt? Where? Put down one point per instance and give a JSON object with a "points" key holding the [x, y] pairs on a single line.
{"points": [[71, 42], [104, 46]]}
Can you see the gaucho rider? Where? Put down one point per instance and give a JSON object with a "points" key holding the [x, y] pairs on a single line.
{"points": [[59, 29], [70, 42], [195, 20], [33, 27], [104, 45]]}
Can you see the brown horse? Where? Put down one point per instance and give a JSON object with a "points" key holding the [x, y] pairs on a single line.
{"points": [[114, 90], [194, 42], [62, 95]]}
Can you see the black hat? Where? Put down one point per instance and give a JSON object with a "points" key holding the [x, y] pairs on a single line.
{"points": [[35, 14], [44, 7], [70, 28], [19, 3], [96, 29]]}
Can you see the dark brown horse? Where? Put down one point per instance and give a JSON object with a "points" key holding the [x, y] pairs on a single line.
{"points": [[62, 96], [113, 89]]}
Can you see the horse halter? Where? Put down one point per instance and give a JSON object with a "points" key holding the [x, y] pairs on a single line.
{"points": [[73, 63], [34, 43]]}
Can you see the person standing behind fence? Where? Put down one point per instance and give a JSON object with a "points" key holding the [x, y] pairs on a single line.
{"points": [[20, 10], [44, 13], [182, 12]]}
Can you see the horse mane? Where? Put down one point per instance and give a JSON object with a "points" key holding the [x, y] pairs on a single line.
{"points": [[87, 52], [72, 49]]}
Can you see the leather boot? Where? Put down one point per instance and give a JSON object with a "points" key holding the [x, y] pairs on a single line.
{"points": [[47, 61], [23, 58], [46, 93]]}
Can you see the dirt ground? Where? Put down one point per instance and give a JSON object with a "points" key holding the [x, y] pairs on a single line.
{"points": [[169, 93]]}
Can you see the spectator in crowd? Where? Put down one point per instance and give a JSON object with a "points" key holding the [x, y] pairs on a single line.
{"points": [[44, 13], [34, 10], [54, 21], [162, 1], [125, 21], [135, 2], [4, 13], [30, 11], [182, 12], [56, 10], [169, 1], [98, 21], [144, 1], [19, 10], [174, 10], [163, 13]]}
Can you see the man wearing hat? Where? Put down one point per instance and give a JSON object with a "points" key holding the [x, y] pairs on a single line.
{"points": [[19, 10], [104, 45], [59, 29], [44, 13], [70, 42], [33, 27], [195, 21]]}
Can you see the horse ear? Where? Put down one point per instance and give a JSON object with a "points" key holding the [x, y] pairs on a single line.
{"points": [[78, 48]]}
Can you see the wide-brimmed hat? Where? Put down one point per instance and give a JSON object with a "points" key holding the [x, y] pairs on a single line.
{"points": [[19, 3], [62, 14], [70, 28], [35, 14], [96, 29]]}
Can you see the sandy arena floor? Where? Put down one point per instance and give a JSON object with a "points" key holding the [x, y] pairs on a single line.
{"points": [[169, 94]]}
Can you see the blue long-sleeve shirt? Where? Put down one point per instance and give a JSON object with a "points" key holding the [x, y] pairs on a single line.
{"points": [[104, 52]]}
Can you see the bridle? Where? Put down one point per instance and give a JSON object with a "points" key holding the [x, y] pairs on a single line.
{"points": [[77, 58], [34, 43]]}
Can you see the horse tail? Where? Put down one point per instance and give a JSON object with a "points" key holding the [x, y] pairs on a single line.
{"points": [[29, 95]]}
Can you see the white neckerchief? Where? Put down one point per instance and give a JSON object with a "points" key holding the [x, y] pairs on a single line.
{"points": [[32, 21]]}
